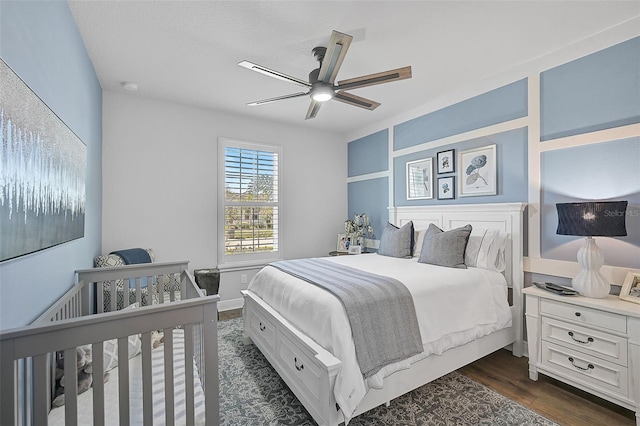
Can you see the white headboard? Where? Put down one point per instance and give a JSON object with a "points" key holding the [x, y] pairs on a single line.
{"points": [[507, 217]]}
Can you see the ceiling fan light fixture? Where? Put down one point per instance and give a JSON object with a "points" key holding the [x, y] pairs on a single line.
{"points": [[322, 93]]}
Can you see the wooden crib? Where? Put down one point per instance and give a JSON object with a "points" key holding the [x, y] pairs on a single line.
{"points": [[177, 307]]}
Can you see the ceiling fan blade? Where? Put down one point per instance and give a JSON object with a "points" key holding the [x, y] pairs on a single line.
{"points": [[351, 99], [336, 51], [313, 109], [372, 79], [266, 101], [272, 73]]}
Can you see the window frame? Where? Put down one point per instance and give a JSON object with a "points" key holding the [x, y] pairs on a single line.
{"points": [[244, 260]]}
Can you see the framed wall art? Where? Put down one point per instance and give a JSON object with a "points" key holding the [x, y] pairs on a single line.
{"points": [[446, 161], [42, 178], [446, 188], [420, 179], [477, 173]]}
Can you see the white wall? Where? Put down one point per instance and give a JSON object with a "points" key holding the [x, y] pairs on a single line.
{"points": [[159, 164]]}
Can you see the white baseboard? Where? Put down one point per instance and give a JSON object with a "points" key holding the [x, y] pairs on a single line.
{"points": [[228, 305]]}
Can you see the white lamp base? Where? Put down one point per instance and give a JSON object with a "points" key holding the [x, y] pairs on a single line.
{"points": [[590, 282]]}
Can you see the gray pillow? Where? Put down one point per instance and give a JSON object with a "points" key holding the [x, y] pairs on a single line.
{"points": [[445, 248], [397, 242]]}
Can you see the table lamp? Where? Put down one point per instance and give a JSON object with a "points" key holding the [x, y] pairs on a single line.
{"points": [[592, 219]]}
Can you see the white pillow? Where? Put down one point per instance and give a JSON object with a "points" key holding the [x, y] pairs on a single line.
{"points": [[486, 249], [418, 237]]}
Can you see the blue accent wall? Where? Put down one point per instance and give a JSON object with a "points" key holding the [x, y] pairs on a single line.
{"points": [[512, 170], [597, 92], [39, 40], [603, 171], [369, 154], [370, 197], [503, 104]]}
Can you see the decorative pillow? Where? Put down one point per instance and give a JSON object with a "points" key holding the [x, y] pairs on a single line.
{"points": [[418, 237], [445, 248], [487, 250], [397, 242], [111, 347]]}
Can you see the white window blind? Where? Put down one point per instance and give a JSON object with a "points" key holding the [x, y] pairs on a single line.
{"points": [[250, 204]]}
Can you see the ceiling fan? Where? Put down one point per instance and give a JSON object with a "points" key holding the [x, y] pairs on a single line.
{"points": [[321, 84]]}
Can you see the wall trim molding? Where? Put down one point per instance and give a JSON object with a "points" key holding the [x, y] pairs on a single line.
{"points": [[607, 135], [505, 126], [368, 176]]}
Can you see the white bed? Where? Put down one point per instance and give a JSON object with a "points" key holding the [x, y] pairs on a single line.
{"points": [[304, 332]]}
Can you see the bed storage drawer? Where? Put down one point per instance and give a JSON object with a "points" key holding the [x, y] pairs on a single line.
{"points": [[263, 330], [584, 368], [584, 315], [300, 368], [592, 342]]}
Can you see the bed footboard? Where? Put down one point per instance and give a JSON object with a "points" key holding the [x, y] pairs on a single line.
{"points": [[26, 353]]}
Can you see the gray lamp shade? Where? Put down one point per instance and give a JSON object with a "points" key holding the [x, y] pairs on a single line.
{"points": [[592, 219]]}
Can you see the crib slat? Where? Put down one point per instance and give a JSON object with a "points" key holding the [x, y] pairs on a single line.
{"points": [[188, 372], [97, 351], [169, 406], [8, 382], [123, 380], [71, 388], [147, 380], [40, 403], [113, 305]]}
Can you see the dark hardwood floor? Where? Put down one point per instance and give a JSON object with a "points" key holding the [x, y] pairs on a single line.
{"points": [[553, 399]]}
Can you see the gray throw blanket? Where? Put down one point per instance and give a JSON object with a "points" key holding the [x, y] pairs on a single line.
{"points": [[380, 310]]}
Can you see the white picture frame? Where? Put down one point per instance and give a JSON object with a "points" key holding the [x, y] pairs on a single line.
{"points": [[477, 173], [355, 249], [420, 179], [343, 244], [631, 288]]}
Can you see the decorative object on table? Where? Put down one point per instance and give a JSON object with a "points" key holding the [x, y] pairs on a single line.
{"points": [[631, 287], [358, 230], [446, 188], [592, 219], [43, 173], [355, 249], [419, 179], [344, 242], [446, 161], [477, 173]]}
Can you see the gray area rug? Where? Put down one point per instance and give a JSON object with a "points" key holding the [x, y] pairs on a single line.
{"points": [[252, 393]]}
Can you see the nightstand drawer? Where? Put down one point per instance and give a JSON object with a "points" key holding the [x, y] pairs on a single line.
{"points": [[585, 369], [587, 316], [587, 340]]}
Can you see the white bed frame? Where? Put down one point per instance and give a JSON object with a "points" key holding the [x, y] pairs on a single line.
{"points": [[26, 353], [310, 371]]}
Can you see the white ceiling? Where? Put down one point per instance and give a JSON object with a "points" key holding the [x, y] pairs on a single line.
{"points": [[187, 51]]}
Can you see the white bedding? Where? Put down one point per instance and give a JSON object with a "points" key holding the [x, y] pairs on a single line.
{"points": [[85, 400], [453, 306]]}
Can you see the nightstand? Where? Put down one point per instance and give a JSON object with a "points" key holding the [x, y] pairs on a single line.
{"points": [[592, 344]]}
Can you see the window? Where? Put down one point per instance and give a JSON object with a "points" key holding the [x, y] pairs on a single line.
{"points": [[249, 202]]}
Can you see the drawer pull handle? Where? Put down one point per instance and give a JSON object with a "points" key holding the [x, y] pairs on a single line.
{"points": [[588, 367], [589, 339], [578, 314], [298, 367], [262, 327]]}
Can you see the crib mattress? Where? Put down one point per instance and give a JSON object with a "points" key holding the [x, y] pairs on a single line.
{"points": [[85, 400]]}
